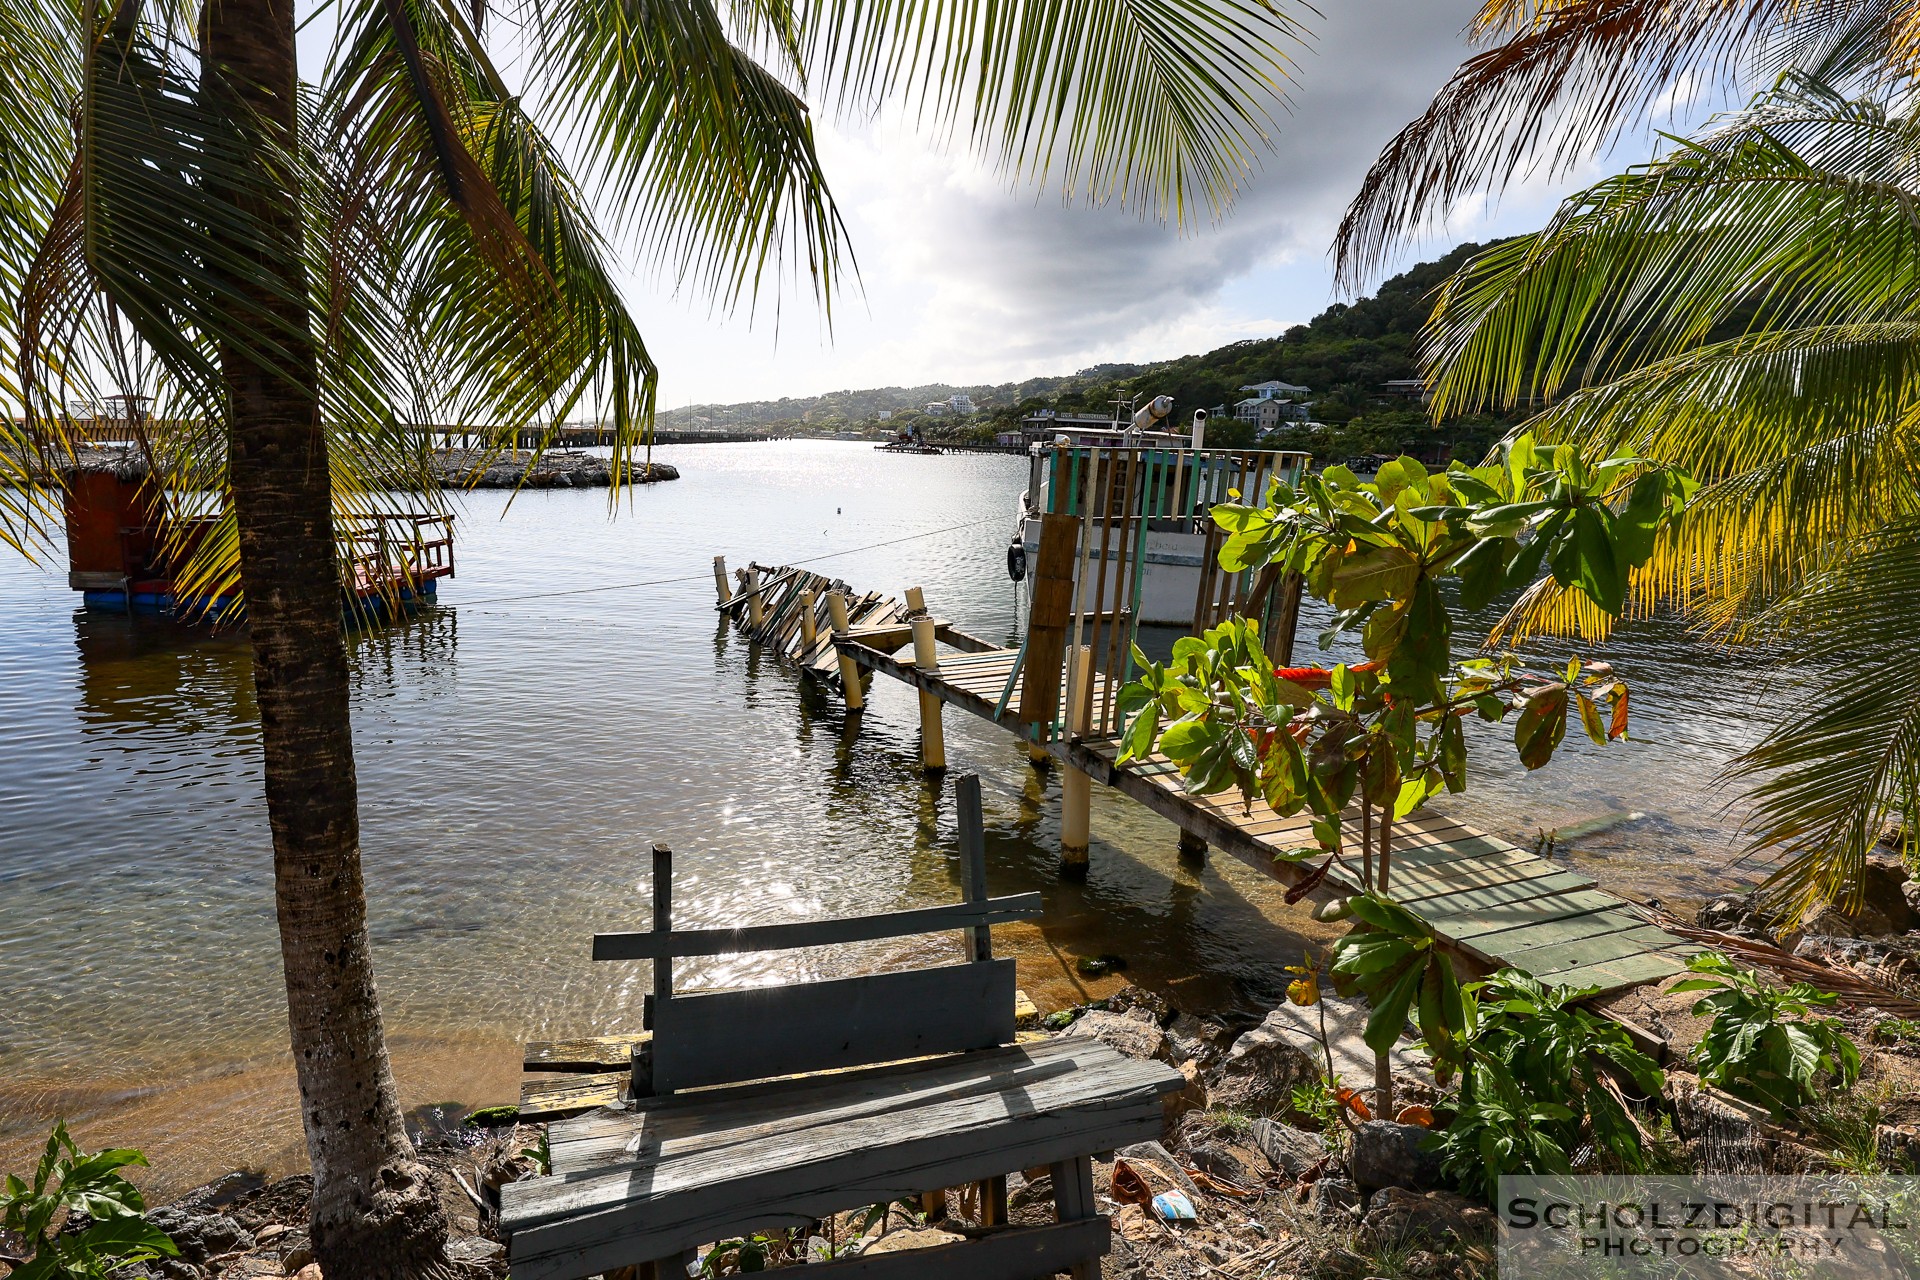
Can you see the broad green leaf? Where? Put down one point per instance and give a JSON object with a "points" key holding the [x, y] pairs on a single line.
{"points": [[1482, 573], [1590, 719], [1372, 573], [1542, 723]]}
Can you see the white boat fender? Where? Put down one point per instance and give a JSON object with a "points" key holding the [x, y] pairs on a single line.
{"points": [[1016, 561]]}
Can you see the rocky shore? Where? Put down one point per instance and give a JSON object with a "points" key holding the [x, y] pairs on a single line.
{"points": [[241, 1226], [553, 469]]}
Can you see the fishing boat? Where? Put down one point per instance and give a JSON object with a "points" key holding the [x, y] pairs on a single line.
{"points": [[1156, 487]]}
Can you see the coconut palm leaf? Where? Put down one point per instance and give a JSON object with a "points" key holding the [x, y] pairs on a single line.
{"points": [[1746, 307], [1567, 77], [1158, 103], [1846, 756]]}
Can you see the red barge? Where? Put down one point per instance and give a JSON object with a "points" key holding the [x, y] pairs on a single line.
{"points": [[125, 549]]}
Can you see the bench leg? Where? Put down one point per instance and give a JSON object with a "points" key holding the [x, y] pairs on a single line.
{"points": [[1073, 1200], [934, 1205]]}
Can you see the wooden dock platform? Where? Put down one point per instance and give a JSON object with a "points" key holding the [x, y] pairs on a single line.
{"points": [[1490, 903]]}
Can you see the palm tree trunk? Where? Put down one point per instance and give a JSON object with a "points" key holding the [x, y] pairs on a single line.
{"points": [[375, 1214]]}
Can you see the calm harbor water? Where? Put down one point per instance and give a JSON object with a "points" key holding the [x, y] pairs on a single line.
{"points": [[573, 699]]}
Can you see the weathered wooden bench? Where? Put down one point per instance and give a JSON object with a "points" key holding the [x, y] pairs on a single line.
{"points": [[723, 1135]]}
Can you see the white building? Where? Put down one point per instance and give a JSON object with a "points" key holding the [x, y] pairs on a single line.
{"points": [[1277, 390], [1265, 414], [960, 402], [935, 408]]}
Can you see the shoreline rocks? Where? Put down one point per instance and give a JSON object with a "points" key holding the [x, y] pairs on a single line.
{"points": [[553, 469]]}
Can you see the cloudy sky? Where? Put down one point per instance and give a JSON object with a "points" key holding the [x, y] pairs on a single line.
{"points": [[964, 280]]}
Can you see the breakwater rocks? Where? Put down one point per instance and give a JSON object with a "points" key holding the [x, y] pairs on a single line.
{"points": [[554, 469]]}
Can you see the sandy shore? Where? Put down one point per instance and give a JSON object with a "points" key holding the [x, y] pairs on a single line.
{"points": [[196, 1124]]}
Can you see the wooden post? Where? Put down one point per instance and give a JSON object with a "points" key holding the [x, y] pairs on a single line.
{"points": [[933, 742], [809, 626], [756, 605], [1193, 849], [720, 579], [1047, 620], [1076, 788], [916, 602], [1073, 1201], [973, 859], [642, 1079], [849, 669], [973, 875]]}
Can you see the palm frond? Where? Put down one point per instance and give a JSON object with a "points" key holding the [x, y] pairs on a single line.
{"points": [[1568, 77], [1161, 104], [1846, 754], [711, 154], [1805, 439], [1800, 212]]}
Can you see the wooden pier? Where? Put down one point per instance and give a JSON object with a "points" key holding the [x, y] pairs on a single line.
{"points": [[1490, 903]]}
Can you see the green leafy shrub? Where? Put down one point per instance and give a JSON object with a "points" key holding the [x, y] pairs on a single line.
{"points": [[68, 1183], [1396, 965], [1552, 1049], [1535, 1089], [1502, 1132], [1767, 1043]]}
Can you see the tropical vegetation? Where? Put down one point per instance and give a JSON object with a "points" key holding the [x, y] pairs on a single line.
{"points": [[1387, 734], [1741, 307], [79, 1218], [1767, 1043], [302, 272], [1744, 307], [1541, 1084]]}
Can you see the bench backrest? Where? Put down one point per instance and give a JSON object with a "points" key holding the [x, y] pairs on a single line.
{"points": [[732, 1036]]}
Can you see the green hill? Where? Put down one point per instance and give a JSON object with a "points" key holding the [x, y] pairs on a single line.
{"points": [[1344, 355]]}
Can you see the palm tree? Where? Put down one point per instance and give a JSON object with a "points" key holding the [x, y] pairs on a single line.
{"points": [[303, 274], [1747, 306]]}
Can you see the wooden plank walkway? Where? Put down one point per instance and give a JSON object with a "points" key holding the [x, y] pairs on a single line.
{"points": [[1490, 903]]}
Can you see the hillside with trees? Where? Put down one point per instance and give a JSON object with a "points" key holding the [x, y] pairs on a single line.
{"points": [[1345, 355]]}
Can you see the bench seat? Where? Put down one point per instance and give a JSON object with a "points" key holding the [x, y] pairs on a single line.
{"points": [[670, 1173]]}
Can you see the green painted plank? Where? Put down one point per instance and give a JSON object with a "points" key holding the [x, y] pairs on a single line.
{"points": [[1440, 855], [1571, 929], [1472, 902], [1457, 846], [1420, 884], [1632, 971], [1548, 962], [1521, 915]]}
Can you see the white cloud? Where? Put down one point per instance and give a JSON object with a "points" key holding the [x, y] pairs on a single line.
{"points": [[967, 281]]}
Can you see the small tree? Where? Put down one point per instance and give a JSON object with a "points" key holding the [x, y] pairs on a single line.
{"points": [[1387, 734]]}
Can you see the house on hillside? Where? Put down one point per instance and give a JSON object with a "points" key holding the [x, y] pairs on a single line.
{"points": [[935, 408], [1264, 415], [960, 402], [1277, 390], [1406, 389]]}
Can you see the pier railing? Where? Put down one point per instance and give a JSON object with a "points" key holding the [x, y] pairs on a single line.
{"points": [[390, 549]]}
